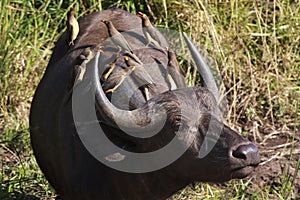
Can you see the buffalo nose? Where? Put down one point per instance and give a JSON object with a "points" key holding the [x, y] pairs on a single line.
{"points": [[248, 152]]}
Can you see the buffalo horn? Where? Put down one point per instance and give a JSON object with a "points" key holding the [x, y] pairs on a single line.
{"points": [[141, 120], [208, 80]]}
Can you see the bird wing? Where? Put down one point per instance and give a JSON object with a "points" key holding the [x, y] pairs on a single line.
{"points": [[142, 76]]}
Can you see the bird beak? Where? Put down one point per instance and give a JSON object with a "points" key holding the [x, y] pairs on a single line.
{"points": [[140, 14]]}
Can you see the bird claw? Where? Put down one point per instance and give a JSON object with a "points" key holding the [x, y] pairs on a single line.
{"points": [[71, 43]]}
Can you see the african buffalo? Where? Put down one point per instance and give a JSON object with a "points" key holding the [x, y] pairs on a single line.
{"points": [[128, 111]]}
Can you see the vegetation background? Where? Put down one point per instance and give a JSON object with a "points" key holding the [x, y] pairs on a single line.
{"points": [[253, 43]]}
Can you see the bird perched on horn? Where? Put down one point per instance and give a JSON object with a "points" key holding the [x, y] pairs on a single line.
{"points": [[117, 38], [72, 27]]}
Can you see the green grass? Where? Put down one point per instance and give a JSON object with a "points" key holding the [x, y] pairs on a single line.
{"points": [[254, 44]]}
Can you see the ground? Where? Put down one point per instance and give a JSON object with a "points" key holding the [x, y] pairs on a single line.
{"points": [[278, 161]]}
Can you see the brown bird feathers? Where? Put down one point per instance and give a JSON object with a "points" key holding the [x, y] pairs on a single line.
{"points": [[72, 27]]}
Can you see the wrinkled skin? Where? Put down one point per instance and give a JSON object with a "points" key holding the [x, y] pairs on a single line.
{"points": [[76, 174]]}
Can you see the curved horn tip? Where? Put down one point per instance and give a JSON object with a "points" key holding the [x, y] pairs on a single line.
{"points": [[203, 69]]}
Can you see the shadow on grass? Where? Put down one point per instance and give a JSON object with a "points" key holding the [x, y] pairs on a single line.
{"points": [[5, 195]]}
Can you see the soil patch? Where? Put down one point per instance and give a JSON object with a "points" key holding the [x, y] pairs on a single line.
{"points": [[280, 152]]}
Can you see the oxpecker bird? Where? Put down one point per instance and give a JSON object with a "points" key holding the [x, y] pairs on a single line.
{"points": [[174, 71], [116, 79], [109, 69], [72, 27], [117, 38], [132, 56], [150, 32], [140, 75]]}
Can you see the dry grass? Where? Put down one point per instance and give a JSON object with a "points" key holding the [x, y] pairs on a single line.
{"points": [[253, 44]]}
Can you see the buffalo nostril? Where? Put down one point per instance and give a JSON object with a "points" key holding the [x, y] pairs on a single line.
{"points": [[246, 151]]}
